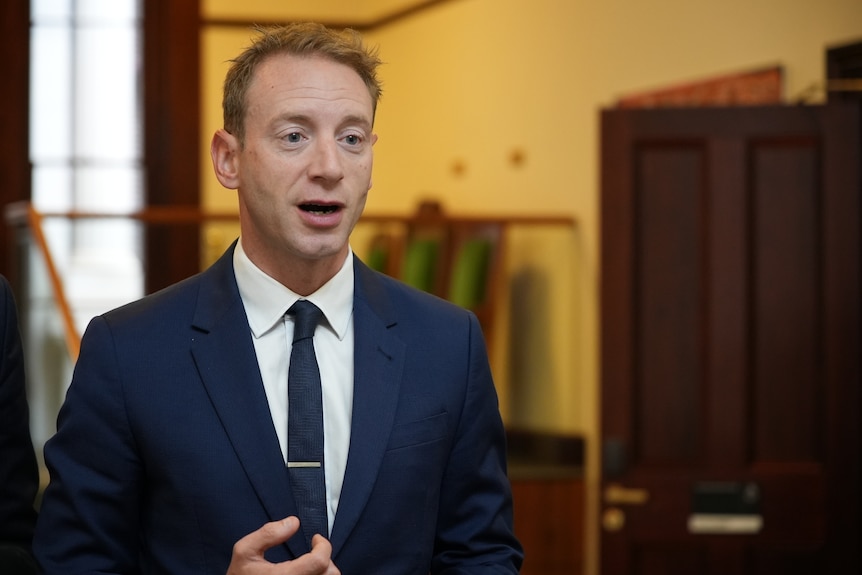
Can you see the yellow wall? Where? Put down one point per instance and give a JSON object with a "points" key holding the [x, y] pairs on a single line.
{"points": [[472, 82]]}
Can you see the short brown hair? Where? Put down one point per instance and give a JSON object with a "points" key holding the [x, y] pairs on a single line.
{"points": [[301, 39]]}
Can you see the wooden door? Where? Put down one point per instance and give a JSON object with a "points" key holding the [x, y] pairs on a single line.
{"points": [[730, 341]]}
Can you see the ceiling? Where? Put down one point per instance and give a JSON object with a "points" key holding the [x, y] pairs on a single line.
{"points": [[360, 13]]}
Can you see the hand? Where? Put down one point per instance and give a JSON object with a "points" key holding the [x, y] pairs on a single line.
{"points": [[248, 559]]}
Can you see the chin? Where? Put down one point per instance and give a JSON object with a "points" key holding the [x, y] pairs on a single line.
{"points": [[326, 250]]}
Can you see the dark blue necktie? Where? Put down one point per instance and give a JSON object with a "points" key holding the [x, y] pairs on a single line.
{"points": [[305, 423]]}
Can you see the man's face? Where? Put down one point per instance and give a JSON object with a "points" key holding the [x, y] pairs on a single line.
{"points": [[304, 171]]}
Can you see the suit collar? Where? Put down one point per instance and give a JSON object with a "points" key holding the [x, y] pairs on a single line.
{"points": [[266, 300]]}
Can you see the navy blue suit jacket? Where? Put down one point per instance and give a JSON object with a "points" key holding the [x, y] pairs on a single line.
{"points": [[166, 455], [19, 475]]}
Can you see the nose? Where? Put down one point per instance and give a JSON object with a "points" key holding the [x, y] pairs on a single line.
{"points": [[326, 161]]}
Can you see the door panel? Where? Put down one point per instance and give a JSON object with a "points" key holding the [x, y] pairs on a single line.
{"points": [[785, 223], [730, 340], [668, 274]]}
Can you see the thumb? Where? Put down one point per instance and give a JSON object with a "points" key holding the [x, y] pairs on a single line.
{"points": [[269, 535]]}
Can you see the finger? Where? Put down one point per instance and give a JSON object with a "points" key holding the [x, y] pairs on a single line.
{"points": [[318, 561], [321, 545], [270, 534]]}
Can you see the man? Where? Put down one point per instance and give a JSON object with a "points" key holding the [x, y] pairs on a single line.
{"points": [[19, 475], [172, 449]]}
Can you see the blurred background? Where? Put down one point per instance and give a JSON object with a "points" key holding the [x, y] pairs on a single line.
{"points": [[490, 120]]}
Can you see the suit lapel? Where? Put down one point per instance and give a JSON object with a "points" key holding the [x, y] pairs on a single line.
{"points": [[378, 365], [226, 360]]}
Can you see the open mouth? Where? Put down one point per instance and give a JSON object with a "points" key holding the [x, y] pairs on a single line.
{"points": [[318, 209]]}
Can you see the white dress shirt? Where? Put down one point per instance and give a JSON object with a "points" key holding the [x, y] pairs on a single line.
{"points": [[266, 302]]}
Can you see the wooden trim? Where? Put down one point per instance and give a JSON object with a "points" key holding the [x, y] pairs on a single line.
{"points": [[14, 117], [476, 219], [23, 214], [190, 215], [171, 101], [171, 32], [359, 26]]}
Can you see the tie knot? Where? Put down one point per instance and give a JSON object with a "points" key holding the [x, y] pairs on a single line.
{"points": [[306, 317]]}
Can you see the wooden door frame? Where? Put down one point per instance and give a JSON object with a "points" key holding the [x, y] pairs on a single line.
{"points": [[171, 86], [171, 83], [14, 119]]}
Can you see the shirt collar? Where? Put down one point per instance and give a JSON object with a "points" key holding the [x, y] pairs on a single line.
{"points": [[266, 300]]}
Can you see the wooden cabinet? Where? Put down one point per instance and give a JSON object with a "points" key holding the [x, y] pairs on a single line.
{"points": [[549, 522], [546, 472]]}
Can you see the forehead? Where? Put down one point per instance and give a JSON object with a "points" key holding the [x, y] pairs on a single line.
{"points": [[281, 79]]}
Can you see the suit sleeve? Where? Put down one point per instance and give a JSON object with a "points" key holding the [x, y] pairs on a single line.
{"points": [[475, 525], [19, 477], [89, 518]]}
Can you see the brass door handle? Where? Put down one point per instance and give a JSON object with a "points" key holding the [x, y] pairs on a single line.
{"points": [[616, 494], [613, 519]]}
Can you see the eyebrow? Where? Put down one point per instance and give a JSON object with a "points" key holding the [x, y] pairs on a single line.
{"points": [[364, 122]]}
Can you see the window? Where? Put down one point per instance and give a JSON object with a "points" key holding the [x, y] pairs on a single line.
{"points": [[86, 144], [86, 155]]}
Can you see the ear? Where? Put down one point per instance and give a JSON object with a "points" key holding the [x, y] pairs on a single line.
{"points": [[224, 151], [373, 141]]}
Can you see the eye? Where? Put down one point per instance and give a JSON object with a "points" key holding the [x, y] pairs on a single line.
{"points": [[293, 137], [352, 139]]}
